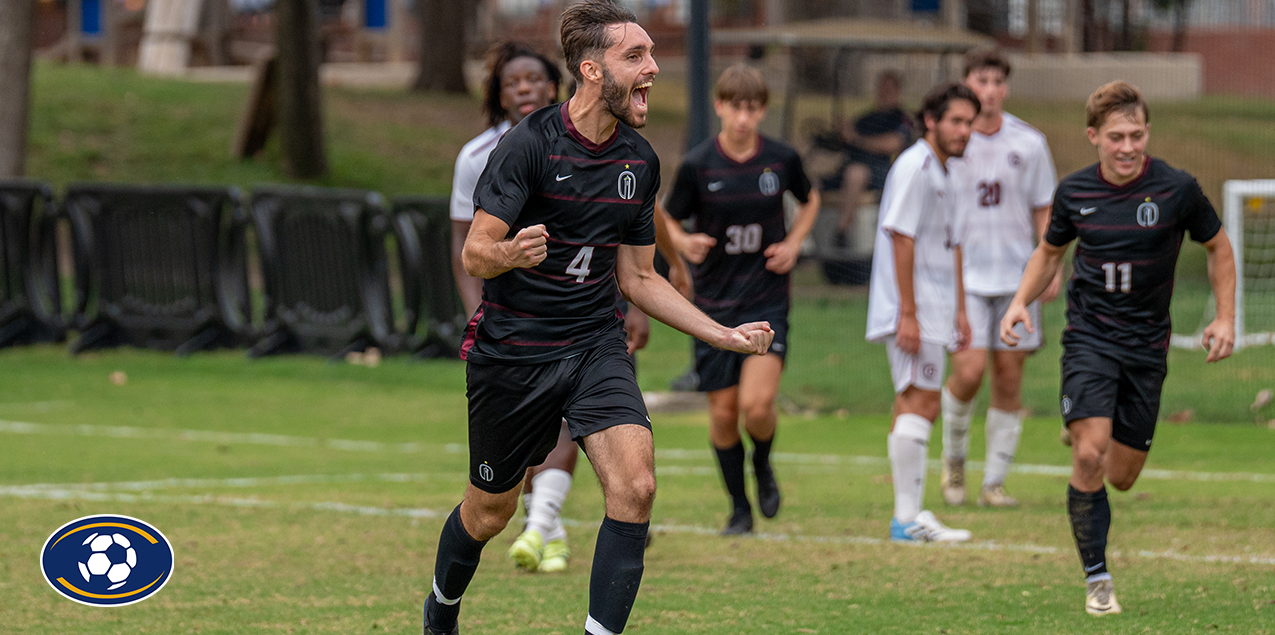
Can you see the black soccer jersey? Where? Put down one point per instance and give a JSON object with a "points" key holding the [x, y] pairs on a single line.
{"points": [[742, 206], [592, 198], [1129, 241]]}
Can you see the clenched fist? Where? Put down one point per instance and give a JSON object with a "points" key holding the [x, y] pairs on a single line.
{"points": [[529, 247], [753, 337]]}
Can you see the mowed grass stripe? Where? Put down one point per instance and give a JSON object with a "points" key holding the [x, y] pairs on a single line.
{"points": [[213, 436]]}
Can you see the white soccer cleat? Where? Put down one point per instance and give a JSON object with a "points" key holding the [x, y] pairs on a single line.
{"points": [[996, 496], [926, 528], [1100, 598], [953, 481]]}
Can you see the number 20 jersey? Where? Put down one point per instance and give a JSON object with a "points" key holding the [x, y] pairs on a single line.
{"points": [[741, 205], [591, 198], [1129, 237]]}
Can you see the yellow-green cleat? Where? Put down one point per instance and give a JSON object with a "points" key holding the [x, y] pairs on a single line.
{"points": [[527, 550], [555, 556]]}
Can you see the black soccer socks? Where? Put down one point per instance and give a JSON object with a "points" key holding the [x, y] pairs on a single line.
{"points": [[617, 573], [1090, 515], [458, 555], [761, 454], [731, 461]]}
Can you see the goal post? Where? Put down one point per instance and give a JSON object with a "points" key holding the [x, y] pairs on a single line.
{"points": [[1249, 218]]}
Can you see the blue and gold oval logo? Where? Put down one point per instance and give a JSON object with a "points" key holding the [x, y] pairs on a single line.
{"points": [[107, 560]]}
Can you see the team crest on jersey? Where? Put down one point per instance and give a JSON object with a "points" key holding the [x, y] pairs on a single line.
{"points": [[1148, 213], [1015, 159], [768, 182], [627, 185], [485, 472], [1066, 405]]}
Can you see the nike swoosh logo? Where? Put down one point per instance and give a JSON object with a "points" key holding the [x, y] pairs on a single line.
{"points": [[1085, 211], [561, 178], [716, 185], [1095, 567]]}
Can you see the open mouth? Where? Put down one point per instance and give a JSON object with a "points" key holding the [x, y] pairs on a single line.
{"points": [[526, 108], [639, 96]]}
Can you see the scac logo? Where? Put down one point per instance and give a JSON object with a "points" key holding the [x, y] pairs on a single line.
{"points": [[768, 183], [107, 560], [627, 185], [486, 473], [1066, 405], [1148, 213]]}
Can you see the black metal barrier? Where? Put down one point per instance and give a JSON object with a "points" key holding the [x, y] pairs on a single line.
{"points": [[30, 302], [158, 266], [423, 228], [325, 269]]}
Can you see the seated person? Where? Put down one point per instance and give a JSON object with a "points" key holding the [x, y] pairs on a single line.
{"points": [[871, 143]]}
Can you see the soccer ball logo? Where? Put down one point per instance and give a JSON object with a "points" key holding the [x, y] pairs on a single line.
{"points": [[112, 557]]}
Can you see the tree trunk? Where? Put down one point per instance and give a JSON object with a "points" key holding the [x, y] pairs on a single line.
{"points": [[17, 19], [442, 65], [300, 105], [1180, 21]]}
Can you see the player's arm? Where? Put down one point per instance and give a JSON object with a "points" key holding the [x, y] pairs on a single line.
{"points": [[488, 254], [1040, 218], [470, 288], [907, 333], [679, 275], [1219, 336], [652, 294], [781, 257], [963, 332], [1041, 268]]}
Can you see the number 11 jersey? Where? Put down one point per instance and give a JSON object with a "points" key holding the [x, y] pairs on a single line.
{"points": [[591, 198]]}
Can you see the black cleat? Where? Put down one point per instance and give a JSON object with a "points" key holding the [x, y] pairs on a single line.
{"points": [[768, 497], [741, 522], [429, 631]]}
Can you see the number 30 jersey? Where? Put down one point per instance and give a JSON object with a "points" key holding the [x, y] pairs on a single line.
{"points": [[591, 198], [741, 205], [1129, 237]]}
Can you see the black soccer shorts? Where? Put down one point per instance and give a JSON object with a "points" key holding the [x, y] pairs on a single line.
{"points": [[719, 369], [516, 412], [1101, 379]]}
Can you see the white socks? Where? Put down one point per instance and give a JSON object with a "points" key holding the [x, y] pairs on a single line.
{"points": [[908, 445], [548, 489], [956, 425], [1003, 430]]}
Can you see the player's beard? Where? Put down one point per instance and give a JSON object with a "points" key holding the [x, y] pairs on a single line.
{"points": [[953, 146], [616, 98]]}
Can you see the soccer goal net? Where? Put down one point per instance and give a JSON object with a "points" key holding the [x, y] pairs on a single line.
{"points": [[1248, 209]]}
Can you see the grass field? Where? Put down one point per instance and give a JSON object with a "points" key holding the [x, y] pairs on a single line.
{"points": [[281, 524], [306, 497]]}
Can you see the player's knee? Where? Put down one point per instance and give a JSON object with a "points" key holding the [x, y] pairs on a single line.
{"points": [[759, 410], [639, 493], [491, 520], [1122, 482], [1088, 459]]}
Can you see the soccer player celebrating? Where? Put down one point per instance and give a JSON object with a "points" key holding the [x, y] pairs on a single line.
{"points": [[1004, 185], [733, 187], [1129, 212], [916, 304], [564, 215]]}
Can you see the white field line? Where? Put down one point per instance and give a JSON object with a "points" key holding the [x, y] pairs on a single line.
{"points": [[367, 510], [254, 438]]}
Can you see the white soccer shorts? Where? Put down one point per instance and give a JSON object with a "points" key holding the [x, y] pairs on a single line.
{"points": [[985, 313], [923, 370]]}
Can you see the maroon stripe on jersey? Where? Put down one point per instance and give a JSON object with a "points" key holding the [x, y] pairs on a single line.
{"points": [[730, 198], [1096, 260], [583, 140], [1120, 197], [584, 161], [585, 199], [567, 242], [533, 343], [469, 333], [506, 310], [1121, 228], [742, 169], [559, 278]]}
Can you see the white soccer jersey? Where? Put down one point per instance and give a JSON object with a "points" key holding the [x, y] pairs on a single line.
{"points": [[914, 203], [995, 187], [469, 166]]}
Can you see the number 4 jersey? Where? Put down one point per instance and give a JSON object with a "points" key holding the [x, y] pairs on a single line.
{"points": [[1129, 237], [741, 205], [591, 198]]}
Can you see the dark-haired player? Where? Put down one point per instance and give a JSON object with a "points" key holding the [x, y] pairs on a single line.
{"points": [[1003, 187], [564, 217], [733, 187], [1129, 213], [916, 304]]}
